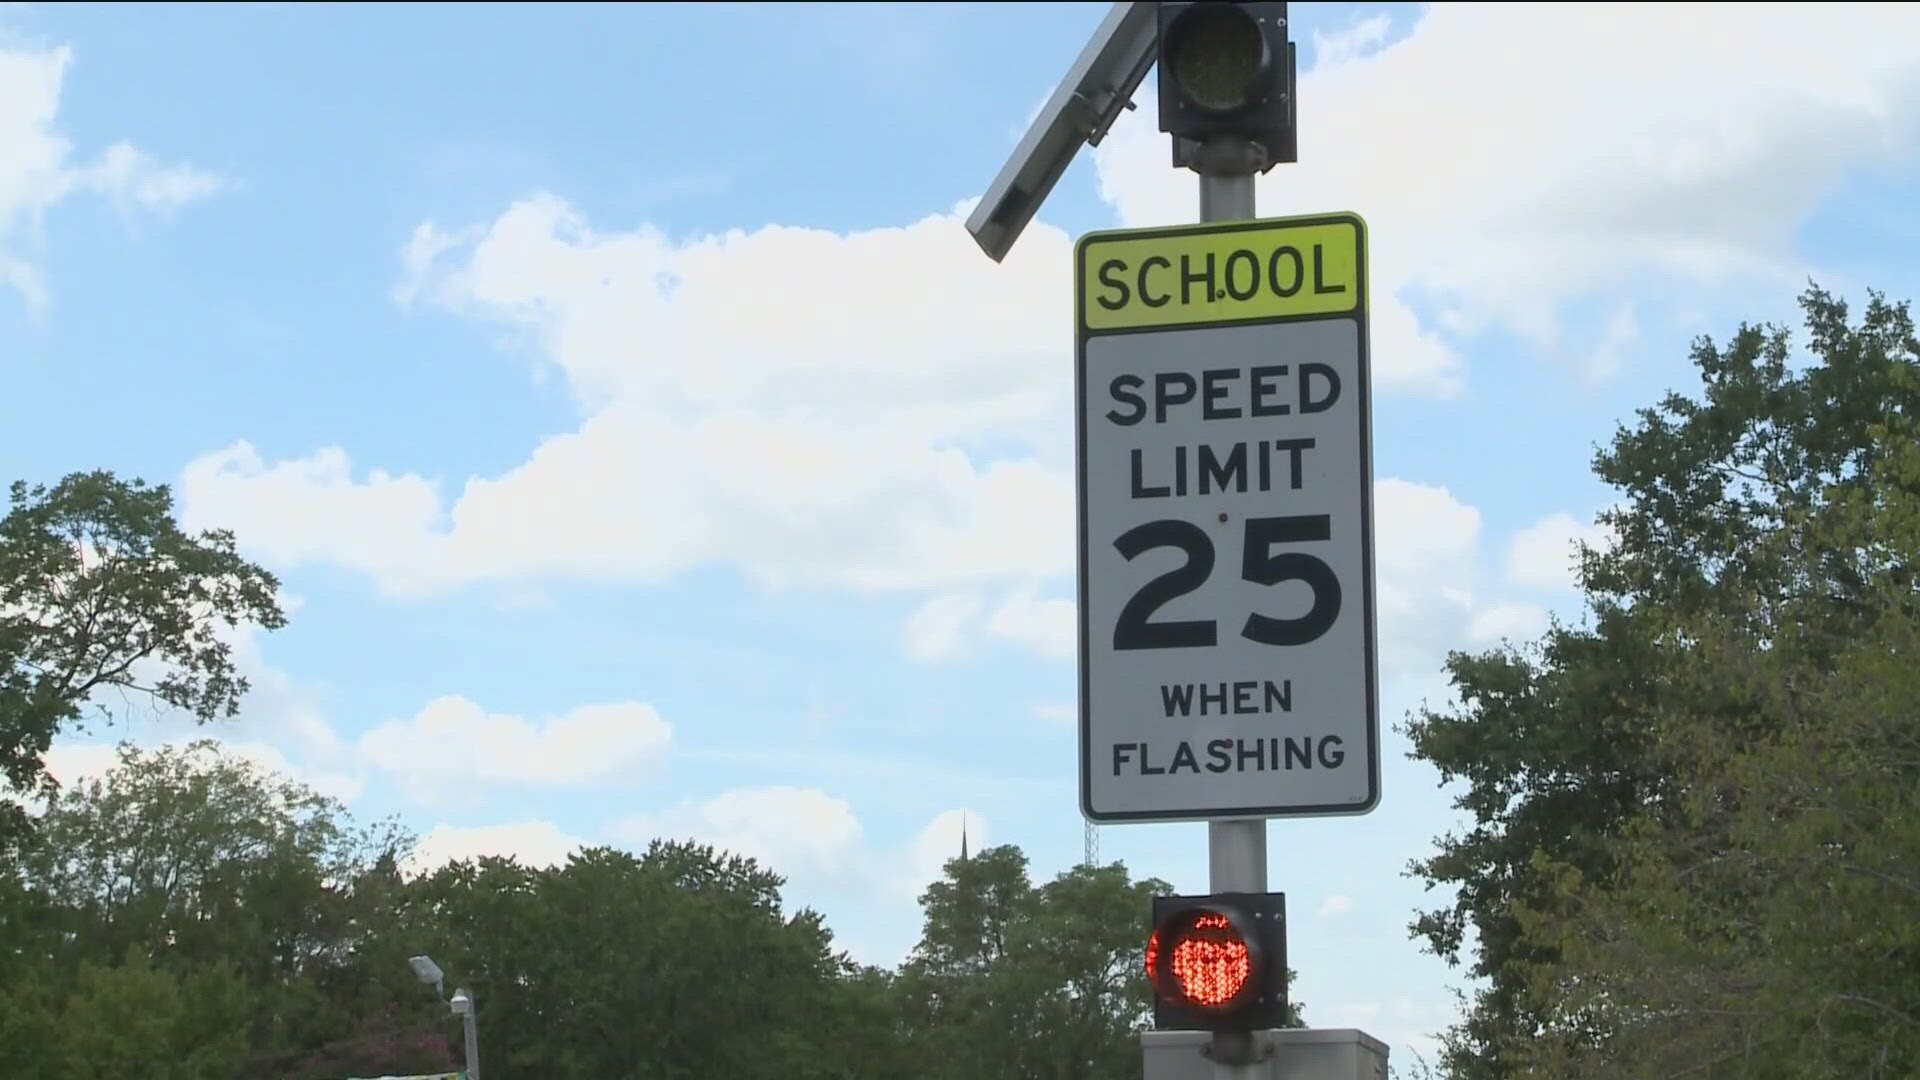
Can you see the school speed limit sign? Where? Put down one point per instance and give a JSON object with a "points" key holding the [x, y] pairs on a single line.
{"points": [[1227, 663]]}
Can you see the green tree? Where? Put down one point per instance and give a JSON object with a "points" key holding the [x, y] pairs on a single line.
{"points": [[674, 963], [131, 1018], [1041, 983], [101, 590], [29, 1022], [135, 1019], [864, 1027], [1769, 925], [1597, 746], [963, 997], [193, 857]]}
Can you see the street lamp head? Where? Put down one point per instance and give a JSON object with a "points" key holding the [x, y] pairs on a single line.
{"points": [[462, 1002], [427, 971]]}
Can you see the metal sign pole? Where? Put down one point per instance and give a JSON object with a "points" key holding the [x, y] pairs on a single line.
{"points": [[1236, 850], [1236, 862], [1192, 319]]}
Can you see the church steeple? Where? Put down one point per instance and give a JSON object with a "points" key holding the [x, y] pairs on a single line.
{"points": [[963, 838]]}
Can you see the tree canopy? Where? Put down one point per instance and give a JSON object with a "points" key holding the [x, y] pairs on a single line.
{"points": [[1041, 982], [1694, 826], [191, 914], [101, 590], [256, 930]]}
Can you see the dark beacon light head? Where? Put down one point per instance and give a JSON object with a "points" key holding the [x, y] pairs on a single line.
{"points": [[1227, 85], [1219, 57]]}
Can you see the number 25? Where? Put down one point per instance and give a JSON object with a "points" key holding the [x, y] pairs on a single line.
{"points": [[1261, 565]]}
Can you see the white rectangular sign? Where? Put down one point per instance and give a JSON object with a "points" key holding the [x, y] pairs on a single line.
{"points": [[1227, 663]]}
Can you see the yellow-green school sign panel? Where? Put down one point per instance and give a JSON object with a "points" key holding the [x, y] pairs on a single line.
{"points": [[1238, 272]]}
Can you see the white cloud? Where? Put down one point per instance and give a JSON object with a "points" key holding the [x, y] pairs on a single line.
{"points": [[453, 744], [72, 761], [133, 180], [1428, 594], [313, 506], [817, 843], [791, 502], [1555, 151], [1047, 627], [1334, 904], [1609, 354], [1420, 529], [533, 843], [1545, 555], [804, 834], [537, 843], [776, 321], [947, 627], [418, 260], [1356, 41], [37, 173], [1424, 543], [810, 837], [788, 401], [341, 785], [452, 750], [1507, 619], [938, 628]]}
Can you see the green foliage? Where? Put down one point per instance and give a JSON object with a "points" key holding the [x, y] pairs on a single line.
{"points": [[201, 917], [29, 1022], [674, 963], [190, 847], [101, 590], [1770, 925], [133, 1019], [126, 1019], [196, 861], [1693, 830], [1553, 747], [1021, 982]]}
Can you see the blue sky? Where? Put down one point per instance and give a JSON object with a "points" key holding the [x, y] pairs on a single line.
{"points": [[649, 452]]}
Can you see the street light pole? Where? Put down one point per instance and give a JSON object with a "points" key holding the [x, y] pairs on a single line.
{"points": [[463, 1004]]}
